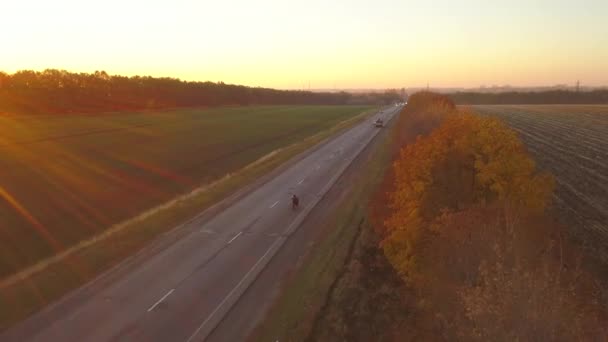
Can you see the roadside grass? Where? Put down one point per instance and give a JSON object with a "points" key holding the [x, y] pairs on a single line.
{"points": [[305, 293], [37, 286]]}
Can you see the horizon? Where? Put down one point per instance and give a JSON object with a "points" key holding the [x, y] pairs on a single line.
{"points": [[539, 87], [350, 45]]}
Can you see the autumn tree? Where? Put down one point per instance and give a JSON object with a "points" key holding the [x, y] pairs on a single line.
{"points": [[467, 160], [467, 231], [424, 112]]}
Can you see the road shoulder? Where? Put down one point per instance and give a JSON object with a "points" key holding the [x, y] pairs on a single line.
{"points": [[295, 282]]}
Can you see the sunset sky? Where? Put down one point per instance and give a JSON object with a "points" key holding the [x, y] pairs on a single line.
{"points": [[338, 43]]}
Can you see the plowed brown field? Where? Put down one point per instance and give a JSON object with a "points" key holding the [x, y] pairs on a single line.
{"points": [[570, 141]]}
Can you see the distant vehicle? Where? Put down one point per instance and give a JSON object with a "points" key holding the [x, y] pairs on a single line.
{"points": [[379, 123]]}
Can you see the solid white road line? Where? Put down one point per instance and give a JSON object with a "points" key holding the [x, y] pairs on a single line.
{"points": [[275, 203], [231, 292], [160, 300], [234, 238]]}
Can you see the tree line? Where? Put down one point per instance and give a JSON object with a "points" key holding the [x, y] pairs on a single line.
{"points": [[599, 96], [461, 217], [60, 91]]}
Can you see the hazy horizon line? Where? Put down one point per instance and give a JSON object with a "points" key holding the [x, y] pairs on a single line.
{"points": [[580, 86]]}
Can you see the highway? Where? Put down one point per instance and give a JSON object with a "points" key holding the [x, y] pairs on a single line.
{"points": [[182, 287]]}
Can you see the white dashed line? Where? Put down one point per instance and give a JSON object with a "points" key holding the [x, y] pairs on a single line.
{"points": [[275, 203], [302, 180], [234, 238], [217, 308], [160, 300]]}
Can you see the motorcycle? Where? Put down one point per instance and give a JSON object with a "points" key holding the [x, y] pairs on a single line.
{"points": [[295, 202]]}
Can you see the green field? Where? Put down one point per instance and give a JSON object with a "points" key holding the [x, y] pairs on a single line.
{"points": [[64, 179]]}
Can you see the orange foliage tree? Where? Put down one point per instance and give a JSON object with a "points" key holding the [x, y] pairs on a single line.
{"points": [[468, 160], [424, 112], [465, 228]]}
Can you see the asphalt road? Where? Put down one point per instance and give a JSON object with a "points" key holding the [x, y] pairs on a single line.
{"points": [[182, 289]]}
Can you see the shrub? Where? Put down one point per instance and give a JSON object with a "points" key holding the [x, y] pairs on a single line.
{"points": [[494, 274]]}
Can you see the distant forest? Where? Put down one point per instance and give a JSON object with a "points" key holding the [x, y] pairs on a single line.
{"points": [[541, 97], [60, 91]]}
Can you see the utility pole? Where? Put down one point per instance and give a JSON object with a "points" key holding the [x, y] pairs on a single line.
{"points": [[578, 86]]}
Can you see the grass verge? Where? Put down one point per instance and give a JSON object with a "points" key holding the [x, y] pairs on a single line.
{"points": [[306, 293], [45, 282]]}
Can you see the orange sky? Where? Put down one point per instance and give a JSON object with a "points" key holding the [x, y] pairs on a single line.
{"points": [[342, 44]]}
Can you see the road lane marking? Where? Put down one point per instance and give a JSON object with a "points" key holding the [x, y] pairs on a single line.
{"points": [[219, 306], [160, 300], [302, 180], [234, 238], [276, 243], [275, 203]]}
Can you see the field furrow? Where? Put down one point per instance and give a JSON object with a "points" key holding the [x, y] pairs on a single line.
{"points": [[571, 142]]}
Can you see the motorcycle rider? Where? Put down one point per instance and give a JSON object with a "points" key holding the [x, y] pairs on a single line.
{"points": [[294, 201]]}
